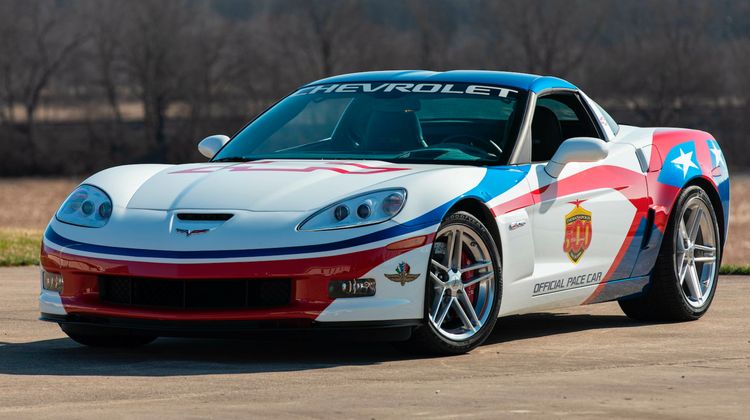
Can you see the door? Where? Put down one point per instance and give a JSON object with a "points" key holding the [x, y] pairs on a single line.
{"points": [[585, 222]]}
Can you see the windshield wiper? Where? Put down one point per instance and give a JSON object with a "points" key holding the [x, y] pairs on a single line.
{"points": [[427, 154], [234, 159]]}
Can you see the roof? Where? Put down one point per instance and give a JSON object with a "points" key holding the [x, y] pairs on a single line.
{"points": [[521, 81]]}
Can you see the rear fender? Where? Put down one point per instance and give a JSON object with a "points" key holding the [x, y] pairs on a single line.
{"points": [[683, 158]]}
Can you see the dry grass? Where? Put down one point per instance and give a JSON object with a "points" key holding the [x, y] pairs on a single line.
{"points": [[27, 204], [737, 251], [19, 247]]}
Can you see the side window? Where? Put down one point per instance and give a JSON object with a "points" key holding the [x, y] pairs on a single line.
{"points": [[558, 117], [610, 121]]}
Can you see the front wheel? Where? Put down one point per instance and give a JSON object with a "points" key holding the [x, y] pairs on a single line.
{"points": [[687, 269], [464, 287]]}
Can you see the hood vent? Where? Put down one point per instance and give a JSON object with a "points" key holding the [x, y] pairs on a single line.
{"points": [[210, 217]]}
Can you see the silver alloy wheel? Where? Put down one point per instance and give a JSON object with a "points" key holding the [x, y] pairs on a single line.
{"points": [[696, 256], [463, 283]]}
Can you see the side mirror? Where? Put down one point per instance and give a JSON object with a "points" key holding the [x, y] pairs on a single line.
{"points": [[212, 144], [576, 149]]}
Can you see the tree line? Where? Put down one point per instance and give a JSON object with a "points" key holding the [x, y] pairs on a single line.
{"points": [[86, 84]]}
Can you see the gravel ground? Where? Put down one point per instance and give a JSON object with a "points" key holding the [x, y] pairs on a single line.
{"points": [[585, 362]]}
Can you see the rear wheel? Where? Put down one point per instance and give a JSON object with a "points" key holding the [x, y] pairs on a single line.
{"points": [[687, 269], [463, 288], [99, 339]]}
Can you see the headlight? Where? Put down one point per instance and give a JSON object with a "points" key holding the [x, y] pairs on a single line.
{"points": [[87, 206], [360, 210]]}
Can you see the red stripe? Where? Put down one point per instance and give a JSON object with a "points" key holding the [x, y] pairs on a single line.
{"points": [[629, 183], [310, 279], [251, 167], [514, 204], [663, 196]]}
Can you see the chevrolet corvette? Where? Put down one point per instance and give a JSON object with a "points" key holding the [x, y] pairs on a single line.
{"points": [[415, 206]]}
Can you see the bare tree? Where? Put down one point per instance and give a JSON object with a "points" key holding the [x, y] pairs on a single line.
{"points": [[9, 36], [103, 52], [541, 36], [196, 67], [318, 34], [667, 66], [40, 37], [154, 53], [434, 28], [208, 73]]}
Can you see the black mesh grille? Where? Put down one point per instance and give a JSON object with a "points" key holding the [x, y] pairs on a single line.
{"points": [[195, 294]]}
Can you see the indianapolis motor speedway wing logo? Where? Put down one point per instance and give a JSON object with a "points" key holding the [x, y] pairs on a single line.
{"points": [[403, 274], [577, 232]]}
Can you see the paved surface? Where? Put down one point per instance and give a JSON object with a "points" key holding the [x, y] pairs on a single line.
{"points": [[588, 362]]}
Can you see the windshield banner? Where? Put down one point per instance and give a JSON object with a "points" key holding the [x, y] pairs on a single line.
{"points": [[439, 88]]}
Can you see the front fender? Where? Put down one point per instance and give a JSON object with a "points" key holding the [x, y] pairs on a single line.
{"points": [[121, 182]]}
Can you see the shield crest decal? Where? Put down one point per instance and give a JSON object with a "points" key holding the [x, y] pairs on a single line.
{"points": [[578, 231]]}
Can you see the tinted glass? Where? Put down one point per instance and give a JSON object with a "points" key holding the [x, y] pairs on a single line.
{"points": [[558, 117], [428, 122], [610, 121]]}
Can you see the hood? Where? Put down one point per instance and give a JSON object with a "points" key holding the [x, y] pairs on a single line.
{"points": [[285, 185]]}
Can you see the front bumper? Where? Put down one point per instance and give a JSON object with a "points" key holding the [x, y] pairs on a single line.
{"points": [[309, 306]]}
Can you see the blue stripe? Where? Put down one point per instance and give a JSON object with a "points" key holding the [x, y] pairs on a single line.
{"points": [[623, 288], [495, 182], [391, 232]]}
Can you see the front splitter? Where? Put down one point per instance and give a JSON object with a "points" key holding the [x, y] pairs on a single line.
{"points": [[391, 330]]}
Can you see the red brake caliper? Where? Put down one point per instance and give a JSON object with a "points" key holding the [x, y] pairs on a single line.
{"points": [[466, 261]]}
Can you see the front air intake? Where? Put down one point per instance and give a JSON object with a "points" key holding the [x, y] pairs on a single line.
{"points": [[211, 217], [194, 294]]}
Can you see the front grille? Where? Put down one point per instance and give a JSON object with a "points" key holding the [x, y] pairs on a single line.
{"points": [[195, 294]]}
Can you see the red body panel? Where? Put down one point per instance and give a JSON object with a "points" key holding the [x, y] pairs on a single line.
{"points": [[310, 278]]}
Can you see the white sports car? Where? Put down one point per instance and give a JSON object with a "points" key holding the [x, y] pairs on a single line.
{"points": [[413, 205]]}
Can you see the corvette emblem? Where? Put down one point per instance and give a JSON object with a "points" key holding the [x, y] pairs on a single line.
{"points": [[577, 231], [402, 274], [189, 232]]}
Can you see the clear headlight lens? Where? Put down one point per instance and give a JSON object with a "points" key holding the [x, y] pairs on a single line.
{"points": [[87, 206], [360, 210]]}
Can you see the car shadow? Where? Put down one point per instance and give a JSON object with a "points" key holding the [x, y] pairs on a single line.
{"points": [[184, 357], [520, 327]]}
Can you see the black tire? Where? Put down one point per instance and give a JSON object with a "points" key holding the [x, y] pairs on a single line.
{"points": [[664, 299], [99, 339], [426, 339]]}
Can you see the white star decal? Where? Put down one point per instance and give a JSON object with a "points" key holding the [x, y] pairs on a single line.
{"points": [[685, 162], [717, 154]]}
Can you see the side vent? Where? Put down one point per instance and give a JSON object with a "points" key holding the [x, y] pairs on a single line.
{"points": [[649, 228], [211, 217]]}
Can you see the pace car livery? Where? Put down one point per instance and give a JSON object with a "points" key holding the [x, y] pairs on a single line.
{"points": [[416, 204]]}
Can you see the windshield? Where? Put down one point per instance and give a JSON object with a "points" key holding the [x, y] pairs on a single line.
{"points": [[427, 122]]}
